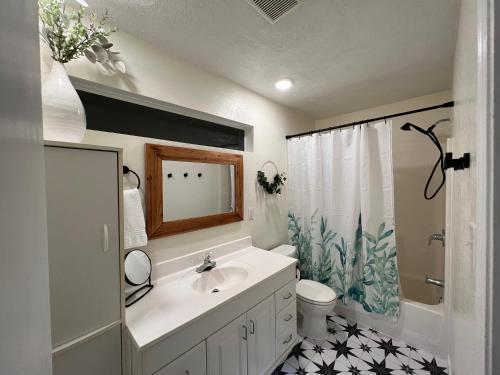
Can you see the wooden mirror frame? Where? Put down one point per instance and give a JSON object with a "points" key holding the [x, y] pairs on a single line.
{"points": [[155, 154]]}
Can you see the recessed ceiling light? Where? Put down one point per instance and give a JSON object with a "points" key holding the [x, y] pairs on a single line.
{"points": [[283, 84]]}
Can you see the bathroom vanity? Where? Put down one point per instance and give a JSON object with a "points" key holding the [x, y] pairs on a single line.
{"points": [[239, 318]]}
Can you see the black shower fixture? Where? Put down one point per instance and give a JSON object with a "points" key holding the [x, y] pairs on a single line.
{"points": [[440, 162]]}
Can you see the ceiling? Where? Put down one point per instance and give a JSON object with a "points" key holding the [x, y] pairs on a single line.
{"points": [[343, 55]]}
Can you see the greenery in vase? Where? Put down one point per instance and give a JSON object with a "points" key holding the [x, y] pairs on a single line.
{"points": [[69, 37]]}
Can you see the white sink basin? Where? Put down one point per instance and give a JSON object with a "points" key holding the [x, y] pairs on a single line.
{"points": [[219, 279]]}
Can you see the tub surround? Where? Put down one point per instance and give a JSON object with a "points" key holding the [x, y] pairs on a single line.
{"points": [[182, 310]]}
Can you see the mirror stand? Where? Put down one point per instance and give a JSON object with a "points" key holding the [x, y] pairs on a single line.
{"points": [[137, 295]]}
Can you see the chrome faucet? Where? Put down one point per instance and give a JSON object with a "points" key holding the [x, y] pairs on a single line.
{"points": [[207, 265], [437, 237]]}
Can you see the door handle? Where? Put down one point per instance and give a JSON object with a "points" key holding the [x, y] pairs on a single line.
{"points": [[288, 318], [245, 332], [252, 327], [105, 238], [288, 295], [288, 339]]}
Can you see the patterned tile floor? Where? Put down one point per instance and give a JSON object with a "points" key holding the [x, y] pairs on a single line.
{"points": [[353, 349]]}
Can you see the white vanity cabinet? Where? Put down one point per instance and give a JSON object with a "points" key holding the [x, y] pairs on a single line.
{"points": [[194, 362], [227, 349], [247, 331], [246, 345], [83, 188], [261, 327]]}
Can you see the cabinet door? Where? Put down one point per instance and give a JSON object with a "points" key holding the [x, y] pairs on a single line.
{"points": [[194, 362], [261, 323], [227, 349], [82, 218], [100, 355]]}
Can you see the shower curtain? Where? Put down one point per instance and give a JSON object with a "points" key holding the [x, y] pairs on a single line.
{"points": [[341, 214]]}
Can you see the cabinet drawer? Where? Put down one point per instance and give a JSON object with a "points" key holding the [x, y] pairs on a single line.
{"points": [[193, 362], [286, 339], [285, 295], [286, 317]]}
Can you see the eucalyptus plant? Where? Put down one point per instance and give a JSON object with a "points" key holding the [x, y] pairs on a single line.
{"points": [[69, 36]]}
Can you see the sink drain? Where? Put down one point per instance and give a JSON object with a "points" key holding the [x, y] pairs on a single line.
{"points": [[215, 290]]}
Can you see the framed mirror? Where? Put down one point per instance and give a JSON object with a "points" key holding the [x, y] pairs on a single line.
{"points": [[190, 189]]}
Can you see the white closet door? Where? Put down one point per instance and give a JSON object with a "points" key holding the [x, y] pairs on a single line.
{"points": [[83, 238], [227, 349], [99, 356], [261, 323]]}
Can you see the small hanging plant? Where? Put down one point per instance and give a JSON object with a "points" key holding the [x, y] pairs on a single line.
{"points": [[271, 187]]}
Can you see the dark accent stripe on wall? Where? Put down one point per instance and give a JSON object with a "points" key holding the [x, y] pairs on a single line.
{"points": [[118, 116]]}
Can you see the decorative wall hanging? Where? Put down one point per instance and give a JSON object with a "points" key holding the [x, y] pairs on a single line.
{"points": [[271, 187]]}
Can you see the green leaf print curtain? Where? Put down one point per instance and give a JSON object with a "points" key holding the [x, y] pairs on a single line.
{"points": [[341, 214]]}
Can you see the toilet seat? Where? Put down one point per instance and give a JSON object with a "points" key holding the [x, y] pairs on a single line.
{"points": [[315, 293]]}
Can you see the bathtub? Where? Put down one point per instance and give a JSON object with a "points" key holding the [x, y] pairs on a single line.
{"points": [[419, 325]]}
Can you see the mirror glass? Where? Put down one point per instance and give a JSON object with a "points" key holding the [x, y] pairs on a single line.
{"points": [[192, 189], [137, 267]]}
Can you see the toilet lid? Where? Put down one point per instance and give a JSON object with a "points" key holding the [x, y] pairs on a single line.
{"points": [[314, 292]]}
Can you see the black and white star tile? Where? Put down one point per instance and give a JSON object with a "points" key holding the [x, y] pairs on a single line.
{"points": [[353, 349]]}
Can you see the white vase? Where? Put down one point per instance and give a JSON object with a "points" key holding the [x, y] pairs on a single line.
{"points": [[63, 112]]}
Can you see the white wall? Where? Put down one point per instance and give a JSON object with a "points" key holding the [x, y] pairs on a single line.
{"points": [[155, 74], [466, 317], [414, 155], [24, 293]]}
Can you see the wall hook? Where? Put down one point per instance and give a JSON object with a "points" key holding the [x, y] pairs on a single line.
{"points": [[169, 175], [185, 174], [199, 175]]}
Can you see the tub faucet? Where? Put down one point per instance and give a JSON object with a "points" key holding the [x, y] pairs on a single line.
{"points": [[208, 263], [430, 280], [437, 237]]}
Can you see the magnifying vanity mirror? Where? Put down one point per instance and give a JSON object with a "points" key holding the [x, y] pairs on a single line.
{"points": [[137, 272], [190, 189]]}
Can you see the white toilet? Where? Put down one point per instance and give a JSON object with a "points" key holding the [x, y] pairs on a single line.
{"points": [[314, 302]]}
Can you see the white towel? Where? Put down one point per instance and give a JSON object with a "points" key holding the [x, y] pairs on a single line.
{"points": [[134, 224]]}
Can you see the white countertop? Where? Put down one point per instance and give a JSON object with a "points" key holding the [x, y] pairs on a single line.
{"points": [[173, 304]]}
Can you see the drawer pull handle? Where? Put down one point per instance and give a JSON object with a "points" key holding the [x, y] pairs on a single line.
{"points": [[288, 318], [252, 327], [288, 296], [288, 339]]}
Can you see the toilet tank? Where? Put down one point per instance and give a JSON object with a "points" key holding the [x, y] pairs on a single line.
{"points": [[287, 250]]}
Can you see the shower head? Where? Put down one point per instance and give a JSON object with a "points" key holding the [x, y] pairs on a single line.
{"points": [[406, 127]]}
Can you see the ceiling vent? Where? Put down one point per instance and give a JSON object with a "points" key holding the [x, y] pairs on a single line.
{"points": [[273, 10]]}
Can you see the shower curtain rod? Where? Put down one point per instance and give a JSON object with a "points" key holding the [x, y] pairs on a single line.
{"points": [[444, 105]]}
